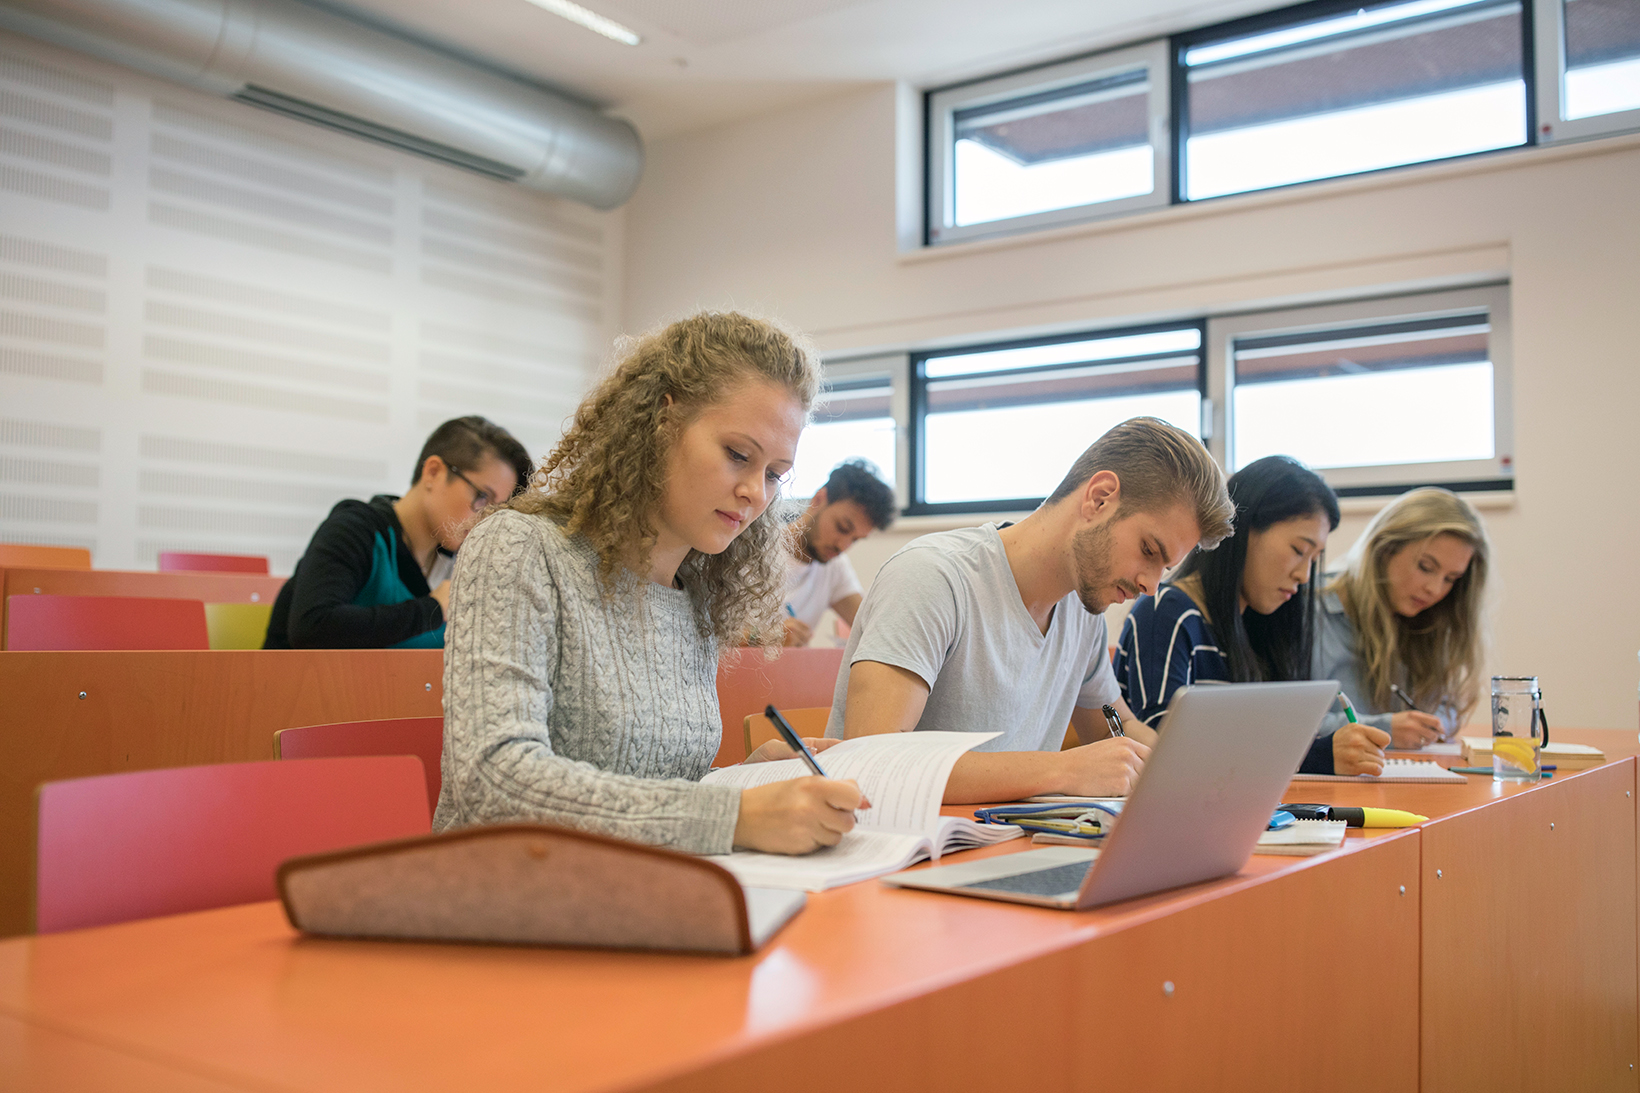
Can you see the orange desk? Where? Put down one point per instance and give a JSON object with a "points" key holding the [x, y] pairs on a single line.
{"points": [[1320, 973], [73, 714], [207, 587]]}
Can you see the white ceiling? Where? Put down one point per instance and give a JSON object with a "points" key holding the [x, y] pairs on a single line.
{"points": [[705, 62]]}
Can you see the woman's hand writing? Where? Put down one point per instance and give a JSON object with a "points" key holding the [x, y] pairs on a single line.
{"points": [[797, 816]]}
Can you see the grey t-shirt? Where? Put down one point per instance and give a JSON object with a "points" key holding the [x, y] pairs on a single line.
{"points": [[947, 608]]}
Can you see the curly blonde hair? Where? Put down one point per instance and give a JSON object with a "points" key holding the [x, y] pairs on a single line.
{"points": [[605, 478], [1442, 650]]}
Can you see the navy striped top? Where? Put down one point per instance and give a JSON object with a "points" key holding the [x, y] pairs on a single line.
{"points": [[1167, 643]]}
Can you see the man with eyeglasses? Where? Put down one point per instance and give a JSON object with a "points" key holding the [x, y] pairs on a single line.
{"points": [[377, 573]]}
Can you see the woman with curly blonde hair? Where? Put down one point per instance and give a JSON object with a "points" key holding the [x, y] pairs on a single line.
{"points": [[587, 615], [1401, 625]]}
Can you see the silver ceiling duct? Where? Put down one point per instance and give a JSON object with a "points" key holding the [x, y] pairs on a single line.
{"points": [[332, 71]]}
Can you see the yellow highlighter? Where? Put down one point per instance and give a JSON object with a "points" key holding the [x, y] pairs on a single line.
{"points": [[1376, 817]]}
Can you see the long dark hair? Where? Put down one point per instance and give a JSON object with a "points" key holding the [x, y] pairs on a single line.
{"points": [[1278, 645]]}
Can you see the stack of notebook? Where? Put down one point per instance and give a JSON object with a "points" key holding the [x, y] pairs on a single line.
{"points": [[1477, 752]]}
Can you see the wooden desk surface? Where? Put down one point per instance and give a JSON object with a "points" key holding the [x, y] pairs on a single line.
{"points": [[237, 996], [899, 989]]}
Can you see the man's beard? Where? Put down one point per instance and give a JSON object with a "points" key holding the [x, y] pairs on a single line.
{"points": [[1091, 548]]}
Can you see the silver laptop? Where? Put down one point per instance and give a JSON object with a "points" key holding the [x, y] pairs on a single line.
{"points": [[1224, 759]]}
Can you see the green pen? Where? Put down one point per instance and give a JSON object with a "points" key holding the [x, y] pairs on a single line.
{"points": [[1349, 710]]}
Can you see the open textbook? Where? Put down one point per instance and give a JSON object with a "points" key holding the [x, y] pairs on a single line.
{"points": [[903, 775]]}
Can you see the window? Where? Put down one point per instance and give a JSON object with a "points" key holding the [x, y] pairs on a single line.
{"points": [[995, 427], [1069, 142], [855, 419], [1374, 395], [1320, 91], [1588, 64]]}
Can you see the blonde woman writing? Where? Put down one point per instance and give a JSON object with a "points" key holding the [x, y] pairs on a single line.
{"points": [[1401, 623], [586, 616]]}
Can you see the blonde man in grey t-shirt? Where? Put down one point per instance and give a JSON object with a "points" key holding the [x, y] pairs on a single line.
{"points": [[1000, 628]]}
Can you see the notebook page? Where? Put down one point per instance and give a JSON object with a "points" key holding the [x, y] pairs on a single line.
{"points": [[860, 854], [902, 774], [1395, 770]]}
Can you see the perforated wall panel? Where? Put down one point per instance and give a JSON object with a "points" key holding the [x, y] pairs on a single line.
{"points": [[217, 322]]}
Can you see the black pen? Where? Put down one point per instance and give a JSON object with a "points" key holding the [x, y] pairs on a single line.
{"points": [[794, 740], [1112, 720], [1395, 689]]}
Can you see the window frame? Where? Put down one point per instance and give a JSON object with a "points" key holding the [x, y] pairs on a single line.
{"points": [[917, 409], [1549, 55], [1496, 474], [939, 143], [893, 365], [1182, 42]]}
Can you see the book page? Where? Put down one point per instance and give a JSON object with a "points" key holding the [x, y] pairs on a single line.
{"points": [[1395, 770], [859, 855], [902, 774]]}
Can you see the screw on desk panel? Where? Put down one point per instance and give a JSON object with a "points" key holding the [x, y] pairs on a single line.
{"points": [[256, 597], [1551, 825], [1403, 889], [1167, 988], [1437, 872], [36, 591], [428, 686], [82, 694]]}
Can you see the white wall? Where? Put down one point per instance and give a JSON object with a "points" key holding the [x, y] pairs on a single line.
{"points": [[216, 322], [795, 215]]}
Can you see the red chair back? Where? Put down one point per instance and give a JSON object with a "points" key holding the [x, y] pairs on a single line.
{"points": [[104, 622], [161, 842], [422, 737], [171, 561], [29, 556], [748, 680]]}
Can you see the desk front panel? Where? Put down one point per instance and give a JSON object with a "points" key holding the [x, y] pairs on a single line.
{"points": [[143, 710], [1529, 939]]}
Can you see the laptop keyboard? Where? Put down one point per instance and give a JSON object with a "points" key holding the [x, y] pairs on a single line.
{"points": [[1061, 880]]}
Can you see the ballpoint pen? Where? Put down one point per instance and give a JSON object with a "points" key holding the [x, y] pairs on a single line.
{"points": [[1395, 689], [792, 739], [1113, 720], [1349, 710]]}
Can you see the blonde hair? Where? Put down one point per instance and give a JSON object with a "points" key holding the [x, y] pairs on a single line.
{"points": [[1442, 650], [1157, 465], [606, 477]]}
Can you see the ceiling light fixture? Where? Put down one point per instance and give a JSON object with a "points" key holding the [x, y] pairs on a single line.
{"points": [[580, 16]]}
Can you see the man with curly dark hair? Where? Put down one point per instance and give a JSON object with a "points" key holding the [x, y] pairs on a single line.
{"points": [[852, 504]]}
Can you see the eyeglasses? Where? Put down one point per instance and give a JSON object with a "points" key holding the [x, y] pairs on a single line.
{"points": [[482, 498]]}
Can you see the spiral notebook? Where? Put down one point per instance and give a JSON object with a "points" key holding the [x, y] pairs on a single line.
{"points": [[1395, 770]]}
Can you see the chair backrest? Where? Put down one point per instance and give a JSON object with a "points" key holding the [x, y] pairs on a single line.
{"points": [[237, 625], [104, 622], [30, 556], [172, 561], [161, 842], [422, 737], [748, 680], [808, 721]]}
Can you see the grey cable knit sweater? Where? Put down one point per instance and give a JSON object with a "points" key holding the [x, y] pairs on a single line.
{"points": [[563, 707]]}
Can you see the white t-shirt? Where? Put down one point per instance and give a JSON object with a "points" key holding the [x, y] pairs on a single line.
{"points": [[811, 587], [947, 608]]}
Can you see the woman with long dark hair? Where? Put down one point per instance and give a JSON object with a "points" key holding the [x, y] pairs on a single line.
{"points": [[1246, 612]]}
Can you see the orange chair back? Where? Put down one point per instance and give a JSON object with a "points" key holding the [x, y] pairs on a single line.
{"points": [[171, 561], [748, 680], [807, 721], [29, 556], [161, 842], [422, 737], [104, 622]]}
